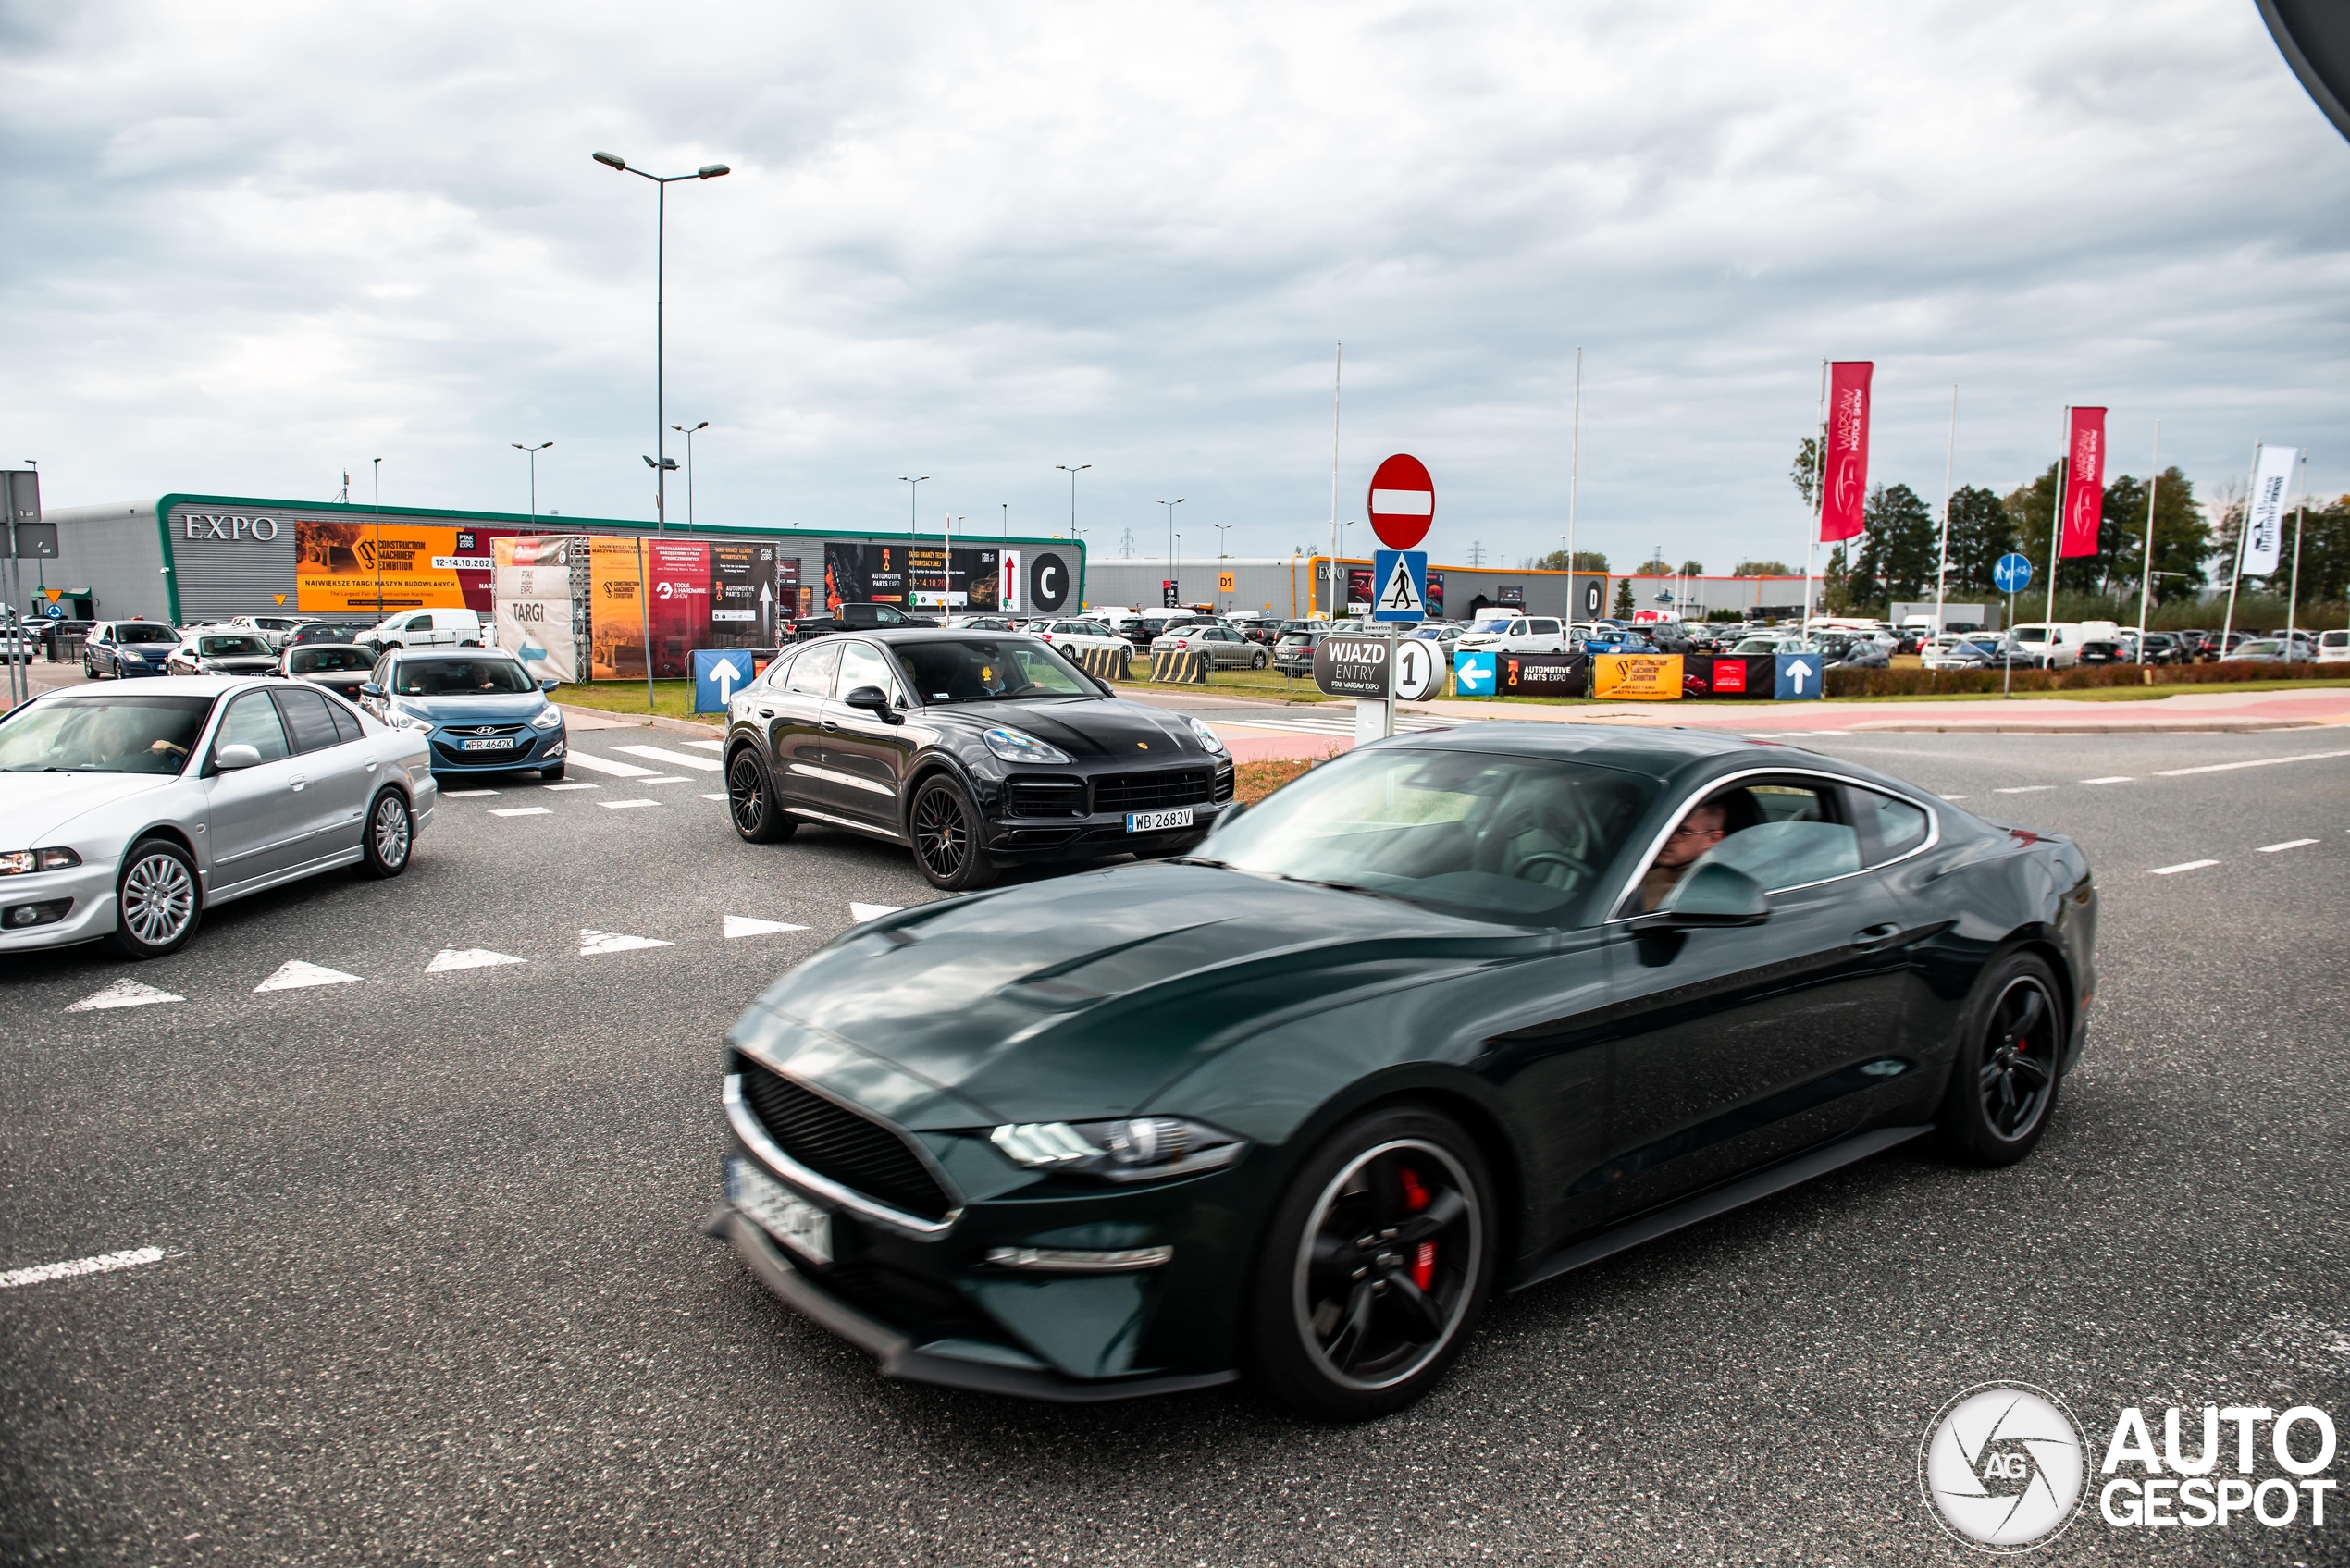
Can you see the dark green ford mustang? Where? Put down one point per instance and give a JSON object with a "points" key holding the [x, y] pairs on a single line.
{"points": [[1454, 1012]]}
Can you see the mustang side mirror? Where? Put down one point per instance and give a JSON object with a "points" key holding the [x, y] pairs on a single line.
{"points": [[1709, 895], [872, 699], [235, 755]]}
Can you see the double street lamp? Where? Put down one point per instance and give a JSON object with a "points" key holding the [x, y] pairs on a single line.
{"points": [[1072, 474], [534, 452], [662, 183], [687, 431]]}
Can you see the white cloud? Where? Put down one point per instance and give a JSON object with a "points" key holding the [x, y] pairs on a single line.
{"points": [[256, 248]]}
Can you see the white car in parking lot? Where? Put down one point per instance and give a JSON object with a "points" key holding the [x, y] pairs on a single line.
{"points": [[126, 812], [1519, 634]]}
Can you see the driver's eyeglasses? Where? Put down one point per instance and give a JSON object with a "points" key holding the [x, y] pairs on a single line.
{"points": [[1690, 830]]}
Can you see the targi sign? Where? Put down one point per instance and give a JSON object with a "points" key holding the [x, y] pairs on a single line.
{"points": [[1351, 666]]}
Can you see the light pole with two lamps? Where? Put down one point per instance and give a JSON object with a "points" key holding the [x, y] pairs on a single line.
{"points": [[534, 452], [1072, 474], [687, 431]]}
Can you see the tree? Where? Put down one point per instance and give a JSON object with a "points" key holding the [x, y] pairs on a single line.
{"points": [[2182, 538], [1762, 569], [1693, 569], [1896, 557], [1980, 534], [1804, 472], [1624, 605], [1585, 561], [1835, 584], [1655, 566]]}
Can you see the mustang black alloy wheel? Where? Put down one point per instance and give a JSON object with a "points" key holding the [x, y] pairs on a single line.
{"points": [[2003, 1083], [946, 831], [383, 850], [751, 803], [1378, 1260], [156, 900]]}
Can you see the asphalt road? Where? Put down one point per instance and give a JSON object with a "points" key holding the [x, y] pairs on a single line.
{"points": [[432, 1289]]}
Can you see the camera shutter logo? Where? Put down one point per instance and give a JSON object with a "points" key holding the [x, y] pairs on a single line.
{"points": [[2003, 1467]]}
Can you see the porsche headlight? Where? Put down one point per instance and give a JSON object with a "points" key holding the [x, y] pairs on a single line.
{"points": [[1209, 740], [1129, 1149], [548, 718], [1014, 746]]}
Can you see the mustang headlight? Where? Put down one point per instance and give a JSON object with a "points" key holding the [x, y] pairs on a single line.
{"points": [[548, 718], [1212, 742], [16, 862], [1129, 1149], [1014, 746]]}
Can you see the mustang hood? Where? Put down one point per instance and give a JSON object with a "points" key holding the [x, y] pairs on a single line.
{"points": [[1083, 996], [1090, 727], [39, 808]]}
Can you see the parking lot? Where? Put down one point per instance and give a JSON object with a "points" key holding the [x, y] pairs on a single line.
{"points": [[422, 1164]]}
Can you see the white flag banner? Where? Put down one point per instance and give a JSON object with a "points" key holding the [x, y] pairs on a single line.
{"points": [[2264, 519]]}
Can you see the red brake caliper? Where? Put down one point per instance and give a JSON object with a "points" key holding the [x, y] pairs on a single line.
{"points": [[1415, 1196]]}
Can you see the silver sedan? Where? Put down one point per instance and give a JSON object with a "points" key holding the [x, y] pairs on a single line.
{"points": [[127, 813]]}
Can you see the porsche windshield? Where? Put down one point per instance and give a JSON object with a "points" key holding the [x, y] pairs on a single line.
{"points": [[103, 735], [987, 669], [1525, 840]]}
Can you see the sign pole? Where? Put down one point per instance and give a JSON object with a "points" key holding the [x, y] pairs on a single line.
{"points": [[2146, 576], [2056, 535], [2243, 535], [2293, 600], [2006, 653], [1388, 728]]}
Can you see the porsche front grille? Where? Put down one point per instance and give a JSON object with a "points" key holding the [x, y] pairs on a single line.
{"points": [[848, 1147], [1151, 792]]}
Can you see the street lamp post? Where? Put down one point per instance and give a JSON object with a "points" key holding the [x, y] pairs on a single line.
{"points": [[534, 452], [1222, 529], [687, 431], [1072, 474], [380, 539], [662, 182]]}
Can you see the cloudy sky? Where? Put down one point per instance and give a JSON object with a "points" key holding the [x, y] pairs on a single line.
{"points": [[252, 246]]}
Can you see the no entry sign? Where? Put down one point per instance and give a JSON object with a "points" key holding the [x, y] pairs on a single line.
{"points": [[1402, 501]]}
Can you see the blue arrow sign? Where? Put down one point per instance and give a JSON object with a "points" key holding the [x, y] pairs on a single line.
{"points": [[2012, 574], [717, 673]]}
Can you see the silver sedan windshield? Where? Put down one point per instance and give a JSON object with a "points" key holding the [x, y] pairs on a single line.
{"points": [[103, 735]]}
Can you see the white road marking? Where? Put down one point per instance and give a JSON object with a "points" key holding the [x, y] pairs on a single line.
{"points": [[674, 759], [664, 778], [592, 943], [2256, 762], [464, 794], [743, 925], [1954, 797], [294, 974], [468, 959], [707, 745], [2288, 843], [524, 811], [720, 795], [606, 765], [625, 805], [2118, 778], [123, 993], [2023, 789], [105, 1263], [2182, 865], [863, 912], [571, 786]]}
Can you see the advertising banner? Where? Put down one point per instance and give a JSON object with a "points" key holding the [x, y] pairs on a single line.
{"points": [[1844, 472], [1796, 677], [743, 595], [2264, 530], [615, 609], [861, 573], [1435, 596], [1540, 675], [1358, 589], [1644, 677], [1010, 598], [2084, 483], [677, 579], [1726, 674], [971, 585], [342, 567], [531, 603]]}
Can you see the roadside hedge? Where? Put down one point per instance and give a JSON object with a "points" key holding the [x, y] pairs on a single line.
{"points": [[1846, 682]]}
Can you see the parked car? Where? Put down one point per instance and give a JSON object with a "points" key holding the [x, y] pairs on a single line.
{"points": [[983, 621], [2156, 648], [2102, 650], [2260, 650], [1225, 647], [860, 615], [1084, 634], [2215, 646], [2333, 647], [974, 750], [132, 813], [478, 709], [1859, 652], [1519, 634], [221, 650], [1294, 655], [347, 634], [2058, 642], [272, 629], [119, 649], [342, 668], [430, 628]]}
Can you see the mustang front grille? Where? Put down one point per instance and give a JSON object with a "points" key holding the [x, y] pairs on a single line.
{"points": [[850, 1147]]}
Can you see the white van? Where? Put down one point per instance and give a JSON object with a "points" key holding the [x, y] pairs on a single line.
{"points": [[1519, 634], [2060, 641], [430, 628]]}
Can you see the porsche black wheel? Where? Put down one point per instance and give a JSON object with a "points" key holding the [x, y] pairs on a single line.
{"points": [[751, 803], [2004, 1081], [945, 829], [1378, 1262]]}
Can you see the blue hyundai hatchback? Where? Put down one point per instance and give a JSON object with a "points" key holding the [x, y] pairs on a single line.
{"points": [[478, 707]]}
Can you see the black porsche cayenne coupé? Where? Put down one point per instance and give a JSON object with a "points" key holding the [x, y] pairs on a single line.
{"points": [[1455, 1012], [976, 750]]}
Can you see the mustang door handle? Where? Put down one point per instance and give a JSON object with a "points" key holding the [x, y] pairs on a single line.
{"points": [[1874, 937]]}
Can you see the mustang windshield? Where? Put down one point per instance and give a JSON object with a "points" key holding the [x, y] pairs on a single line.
{"points": [[103, 735], [1514, 839], [461, 677], [988, 670]]}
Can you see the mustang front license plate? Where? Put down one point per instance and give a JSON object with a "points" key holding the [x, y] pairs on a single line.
{"points": [[782, 1212], [1158, 822], [499, 743]]}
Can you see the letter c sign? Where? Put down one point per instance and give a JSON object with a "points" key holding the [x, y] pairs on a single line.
{"points": [[1047, 582]]}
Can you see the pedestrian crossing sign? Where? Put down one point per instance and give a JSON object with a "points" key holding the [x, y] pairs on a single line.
{"points": [[1402, 576]]}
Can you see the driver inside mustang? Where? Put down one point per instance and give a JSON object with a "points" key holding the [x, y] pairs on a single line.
{"points": [[1700, 830]]}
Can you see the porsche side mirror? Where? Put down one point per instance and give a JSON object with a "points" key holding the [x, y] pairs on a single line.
{"points": [[1709, 895], [874, 700], [235, 755]]}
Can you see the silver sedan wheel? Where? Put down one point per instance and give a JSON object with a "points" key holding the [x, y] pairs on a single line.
{"points": [[159, 898], [390, 832]]}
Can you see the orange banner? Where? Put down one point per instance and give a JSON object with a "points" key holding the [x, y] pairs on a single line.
{"points": [[345, 568], [1652, 677], [616, 613]]}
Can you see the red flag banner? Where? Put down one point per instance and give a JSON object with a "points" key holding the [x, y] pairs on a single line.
{"points": [[1845, 474], [2083, 482]]}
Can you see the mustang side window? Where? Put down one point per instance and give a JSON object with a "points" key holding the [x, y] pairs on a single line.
{"points": [[1899, 826], [1784, 834]]}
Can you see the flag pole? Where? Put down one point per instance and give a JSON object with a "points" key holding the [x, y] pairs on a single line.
{"points": [[1819, 498], [2056, 537], [2293, 599], [2146, 580], [1574, 473], [2244, 532], [1942, 559], [1338, 376]]}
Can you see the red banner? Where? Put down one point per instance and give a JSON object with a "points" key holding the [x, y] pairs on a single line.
{"points": [[2083, 482], [1845, 474]]}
